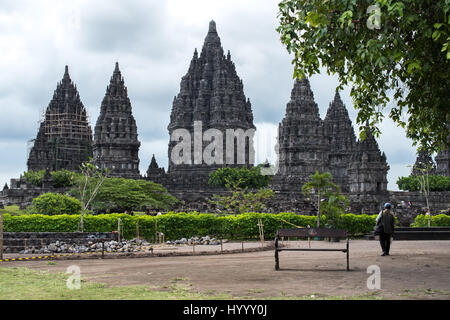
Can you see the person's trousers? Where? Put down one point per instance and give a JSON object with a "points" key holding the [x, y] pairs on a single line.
{"points": [[385, 241]]}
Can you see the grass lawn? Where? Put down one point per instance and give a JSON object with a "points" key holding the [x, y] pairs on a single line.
{"points": [[27, 284]]}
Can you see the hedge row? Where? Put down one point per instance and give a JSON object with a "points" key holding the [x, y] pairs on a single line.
{"points": [[440, 220], [179, 225]]}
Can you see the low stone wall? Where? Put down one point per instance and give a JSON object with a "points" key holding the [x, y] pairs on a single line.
{"points": [[18, 241]]}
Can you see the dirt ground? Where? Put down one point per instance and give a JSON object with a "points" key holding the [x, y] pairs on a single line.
{"points": [[414, 270]]}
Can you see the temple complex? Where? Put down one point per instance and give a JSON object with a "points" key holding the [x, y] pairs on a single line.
{"points": [[210, 127]]}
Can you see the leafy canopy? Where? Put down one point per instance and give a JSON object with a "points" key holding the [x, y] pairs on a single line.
{"points": [[120, 194], [323, 187], [386, 49], [239, 178], [54, 204], [436, 183], [238, 181]]}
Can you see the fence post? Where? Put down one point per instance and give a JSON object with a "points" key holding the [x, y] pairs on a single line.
{"points": [[137, 231], [1, 235], [118, 228]]}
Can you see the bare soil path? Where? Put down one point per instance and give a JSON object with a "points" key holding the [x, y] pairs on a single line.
{"points": [[414, 270]]}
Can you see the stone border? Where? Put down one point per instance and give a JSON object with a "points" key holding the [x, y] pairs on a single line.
{"points": [[125, 255]]}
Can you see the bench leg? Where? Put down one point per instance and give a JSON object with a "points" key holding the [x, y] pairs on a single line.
{"points": [[277, 260], [348, 257]]}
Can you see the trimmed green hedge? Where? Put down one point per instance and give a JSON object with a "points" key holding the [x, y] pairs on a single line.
{"points": [[440, 220], [179, 225]]}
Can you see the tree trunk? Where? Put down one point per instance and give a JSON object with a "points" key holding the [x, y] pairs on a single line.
{"points": [[82, 220], [318, 209]]}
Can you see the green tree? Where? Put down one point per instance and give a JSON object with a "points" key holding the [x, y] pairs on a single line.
{"points": [[320, 185], [63, 178], [238, 181], [120, 194], [242, 201], [34, 177], [54, 204], [239, 178], [387, 50], [436, 183], [88, 184], [333, 208]]}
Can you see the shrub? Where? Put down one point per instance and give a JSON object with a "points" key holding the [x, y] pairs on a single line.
{"points": [[440, 220], [34, 177], [179, 225], [239, 178], [436, 182], [120, 194], [63, 178], [55, 204]]}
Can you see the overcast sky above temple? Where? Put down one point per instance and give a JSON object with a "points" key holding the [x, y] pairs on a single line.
{"points": [[153, 41]]}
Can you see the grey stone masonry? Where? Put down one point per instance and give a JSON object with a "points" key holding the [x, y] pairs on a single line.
{"points": [[443, 159], [64, 139], [116, 144], [213, 93]]}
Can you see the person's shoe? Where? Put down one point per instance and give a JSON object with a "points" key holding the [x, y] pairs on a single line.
{"points": [[387, 253], [383, 254]]}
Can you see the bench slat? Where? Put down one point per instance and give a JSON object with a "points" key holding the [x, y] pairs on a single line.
{"points": [[312, 232], [343, 250]]}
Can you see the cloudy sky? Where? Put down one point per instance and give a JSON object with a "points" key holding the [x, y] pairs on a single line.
{"points": [[153, 41]]}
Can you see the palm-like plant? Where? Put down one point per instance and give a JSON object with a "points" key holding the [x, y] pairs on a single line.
{"points": [[320, 184]]}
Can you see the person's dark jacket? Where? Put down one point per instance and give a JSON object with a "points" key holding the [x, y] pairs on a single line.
{"points": [[387, 220]]}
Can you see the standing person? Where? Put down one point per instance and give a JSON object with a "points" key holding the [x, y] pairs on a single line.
{"points": [[386, 219]]}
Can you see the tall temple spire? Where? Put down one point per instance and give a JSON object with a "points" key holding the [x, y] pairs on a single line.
{"points": [[337, 109], [301, 143], [66, 73], [64, 139], [212, 45], [210, 92], [116, 144], [302, 102]]}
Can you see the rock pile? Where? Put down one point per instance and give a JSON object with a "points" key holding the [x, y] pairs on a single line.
{"points": [[91, 246], [196, 241]]}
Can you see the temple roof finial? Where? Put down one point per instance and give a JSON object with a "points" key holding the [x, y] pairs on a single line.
{"points": [[212, 26], [66, 73]]}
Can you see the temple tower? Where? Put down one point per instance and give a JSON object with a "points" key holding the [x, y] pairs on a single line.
{"points": [[210, 102], [154, 172], [341, 139], [443, 159], [423, 161], [302, 147], [368, 168], [116, 144], [64, 139]]}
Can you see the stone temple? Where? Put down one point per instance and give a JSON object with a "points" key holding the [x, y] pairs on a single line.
{"points": [[116, 143], [210, 116], [443, 159], [211, 95], [306, 144], [64, 139]]}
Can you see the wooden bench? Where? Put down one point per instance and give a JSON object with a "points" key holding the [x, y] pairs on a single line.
{"points": [[310, 232]]}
